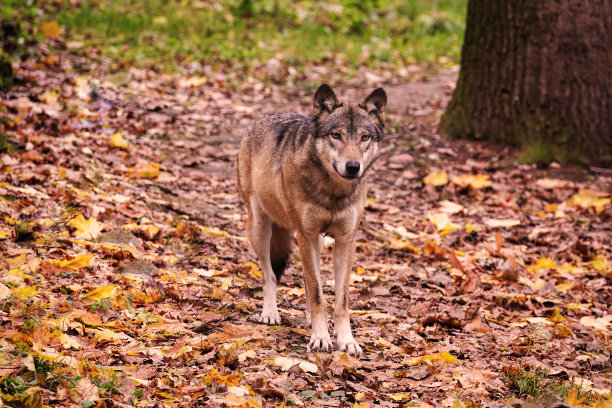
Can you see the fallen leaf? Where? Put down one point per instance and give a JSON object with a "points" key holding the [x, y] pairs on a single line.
{"points": [[475, 181], [572, 397], [449, 207], [49, 97], [99, 293], [87, 390], [117, 140], [600, 264], [586, 198], [85, 228], [600, 323], [146, 170], [79, 262], [436, 179], [442, 223], [285, 363], [502, 223], [542, 263], [550, 184], [50, 29], [25, 293], [442, 357], [457, 404]]}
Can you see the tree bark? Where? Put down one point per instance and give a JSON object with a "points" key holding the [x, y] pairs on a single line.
{"points": [[537, 74]]}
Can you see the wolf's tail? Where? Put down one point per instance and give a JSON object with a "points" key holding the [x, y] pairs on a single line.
{"points": [[280, 249]]}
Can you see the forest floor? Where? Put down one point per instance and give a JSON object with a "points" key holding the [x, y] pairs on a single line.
{"points": [[128, 280]]}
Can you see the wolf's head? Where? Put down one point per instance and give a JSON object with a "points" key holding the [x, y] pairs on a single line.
{"points": [[347, 136]]}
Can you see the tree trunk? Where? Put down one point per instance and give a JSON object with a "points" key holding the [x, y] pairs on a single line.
{"points": [[537, 74]]}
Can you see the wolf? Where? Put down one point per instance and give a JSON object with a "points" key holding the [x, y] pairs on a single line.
{"points": [[308, 176]]}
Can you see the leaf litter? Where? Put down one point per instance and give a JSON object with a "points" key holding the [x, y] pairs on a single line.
{"points": [[126, 276]]}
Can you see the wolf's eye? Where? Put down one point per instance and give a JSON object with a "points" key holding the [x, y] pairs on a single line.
{"points": [[336, 135], [365, 138]]}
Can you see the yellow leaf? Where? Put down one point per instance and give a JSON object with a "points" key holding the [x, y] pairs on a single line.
{"points": [[442, 357], [107, 335], [562, 331], [160, 20], [399, 244], [457, 404], [469, 228], [79, 262], [565, 286], [569, 268], [586, 199], [49, 97], [117, 140], [442, 223], [146, 170], [50, 29], [551, 207], [150, 230], [359, 396], [3, 235], [25, 293], [85, 228], [399, 396], [254, 269], [213, 374], [475, 181], [226, 283], [572, 397], [80, 81], [360, 405], [436, 179], [99, 293], [542, 263], [600, 263]]}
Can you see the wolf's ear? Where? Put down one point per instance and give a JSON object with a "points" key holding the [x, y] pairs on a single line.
{"points": [[375, 104], [325, 101]]}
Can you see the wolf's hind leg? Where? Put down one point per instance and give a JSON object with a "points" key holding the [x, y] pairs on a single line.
{"points": [[260, 232]]}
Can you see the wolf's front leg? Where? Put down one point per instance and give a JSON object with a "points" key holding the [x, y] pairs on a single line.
{"points": [[344, 255], [260, 232], [309, 245], [317, 262]]}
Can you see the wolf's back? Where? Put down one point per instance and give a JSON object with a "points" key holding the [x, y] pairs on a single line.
{"points": [[281, 129]]}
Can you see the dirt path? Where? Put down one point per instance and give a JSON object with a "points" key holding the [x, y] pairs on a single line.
{"points": [[454, 286]]}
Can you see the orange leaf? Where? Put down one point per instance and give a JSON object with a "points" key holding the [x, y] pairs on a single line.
{"points": [[572, 397], [50, 29]]}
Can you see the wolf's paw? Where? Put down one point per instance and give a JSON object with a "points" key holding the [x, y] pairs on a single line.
{"points": [[320, 344], [270, 318], [351, 348]]}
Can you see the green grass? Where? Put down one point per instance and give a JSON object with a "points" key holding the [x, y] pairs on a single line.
{"points": [[526, 381], [243, 34]]}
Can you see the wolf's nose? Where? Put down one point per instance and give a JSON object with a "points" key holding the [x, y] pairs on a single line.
{"points": [[352, 167]]}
